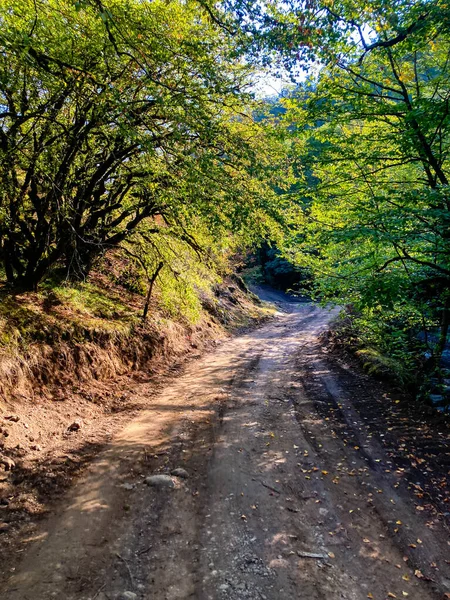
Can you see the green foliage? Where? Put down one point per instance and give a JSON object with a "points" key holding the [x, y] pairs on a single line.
{"points": [[371, 132], [77, 313], [386, 341], [191, 266], [118, 113]]}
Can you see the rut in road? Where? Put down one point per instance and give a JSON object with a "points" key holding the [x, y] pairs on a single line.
{"points": [[276, 506]]}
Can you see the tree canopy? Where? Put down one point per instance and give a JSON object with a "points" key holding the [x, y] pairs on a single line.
{"points": [[372, 134], [115, 113]]}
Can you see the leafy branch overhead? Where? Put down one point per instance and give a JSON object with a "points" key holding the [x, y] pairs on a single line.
{"points": [[115, 113], [134, 124]]}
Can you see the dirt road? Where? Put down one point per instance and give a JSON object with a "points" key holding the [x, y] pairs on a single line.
{"points": [[281, 499]]}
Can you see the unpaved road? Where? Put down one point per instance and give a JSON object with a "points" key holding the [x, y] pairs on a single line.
{"points": [[279, 504]]}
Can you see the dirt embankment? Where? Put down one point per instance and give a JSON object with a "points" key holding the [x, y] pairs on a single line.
{"points": [[64, 396]]}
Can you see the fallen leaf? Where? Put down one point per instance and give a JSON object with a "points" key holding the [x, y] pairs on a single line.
{"points": [[391, 595], [418, 574]]}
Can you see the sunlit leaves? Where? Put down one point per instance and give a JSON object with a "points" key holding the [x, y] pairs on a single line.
{"points": [[114, 113], [375, 133]]}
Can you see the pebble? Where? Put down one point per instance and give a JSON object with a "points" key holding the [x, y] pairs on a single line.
{"points": [[161, 481], [4, 527], [7, 462], [180, 472], [127, 486], [76, 425]]}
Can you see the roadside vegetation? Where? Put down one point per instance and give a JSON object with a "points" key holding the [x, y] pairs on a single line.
{"points": [[369, 131]]}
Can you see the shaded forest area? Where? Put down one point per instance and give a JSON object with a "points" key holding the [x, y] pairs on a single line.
{"points": [[131, 132]]}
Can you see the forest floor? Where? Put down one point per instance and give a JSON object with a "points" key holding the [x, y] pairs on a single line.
{"points": [[288, 474]]}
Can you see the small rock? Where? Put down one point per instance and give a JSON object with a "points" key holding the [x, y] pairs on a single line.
{"points": [[59, 396], [4, 527], [8, 463], [127, 486], [13, 418], [36, 447], [180, 472], [127, 596], [160, 481], [76, 425]]}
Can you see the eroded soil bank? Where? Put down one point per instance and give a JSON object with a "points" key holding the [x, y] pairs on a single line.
{"points": [[291, 490]]}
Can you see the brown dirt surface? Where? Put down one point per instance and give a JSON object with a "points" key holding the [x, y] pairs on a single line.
{"points": [[52, 430], [301, 483]]}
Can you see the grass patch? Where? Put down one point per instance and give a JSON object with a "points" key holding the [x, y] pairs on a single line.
{"points": [[75, 313]]}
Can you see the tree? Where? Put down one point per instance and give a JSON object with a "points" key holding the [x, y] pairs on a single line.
{"points": [[113, 113], [374, 130]]}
